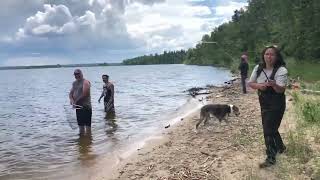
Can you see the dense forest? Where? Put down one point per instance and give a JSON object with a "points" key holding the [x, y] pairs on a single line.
{"points": [[171, 57], [292, 25]]}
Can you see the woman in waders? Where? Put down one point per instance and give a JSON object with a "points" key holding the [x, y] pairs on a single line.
{"points": [[270, 79]]}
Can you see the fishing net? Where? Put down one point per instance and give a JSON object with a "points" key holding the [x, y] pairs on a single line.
{"points": [[71, 116]]}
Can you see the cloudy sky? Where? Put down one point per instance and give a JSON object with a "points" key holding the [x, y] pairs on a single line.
{"points": [[37, 32]]}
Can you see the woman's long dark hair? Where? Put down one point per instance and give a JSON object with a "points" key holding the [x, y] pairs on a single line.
{"points": [[279, 59]]}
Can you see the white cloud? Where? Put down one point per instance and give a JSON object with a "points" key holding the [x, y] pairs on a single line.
{"points": [[190, 11], [227, 10], [20, 34], [168, 26], [57, 21], [49, 22], [88, 19], [98, 27]]}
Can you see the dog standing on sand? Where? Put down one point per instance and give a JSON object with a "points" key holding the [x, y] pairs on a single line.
{"points": [[220, 111]]}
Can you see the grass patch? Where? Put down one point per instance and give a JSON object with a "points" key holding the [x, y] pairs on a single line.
{"points": [[312, 86], [307, 107], [297, 147], [311, 112], [302, 155], [286, 169], [306, 70], [297, 159], [316, 174], [295, 97]]}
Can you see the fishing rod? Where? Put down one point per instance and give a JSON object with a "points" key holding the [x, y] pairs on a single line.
{"points": [[223, 49]]}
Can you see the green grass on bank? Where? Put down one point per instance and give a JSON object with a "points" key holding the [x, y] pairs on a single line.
{"points": [[302, 142], [307, 108], [307, 71]]}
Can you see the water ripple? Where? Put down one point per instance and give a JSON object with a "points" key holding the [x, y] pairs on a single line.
{"points": [[36, 141]]}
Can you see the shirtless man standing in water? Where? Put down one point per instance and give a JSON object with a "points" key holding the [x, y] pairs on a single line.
{"points": [[108, 94], [80, 95]]}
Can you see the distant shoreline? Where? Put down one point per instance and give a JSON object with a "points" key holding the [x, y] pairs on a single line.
{"points": [[59, 66], [72, 65]]}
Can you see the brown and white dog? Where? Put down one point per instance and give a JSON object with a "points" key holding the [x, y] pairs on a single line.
{"points": [[220, 111]]}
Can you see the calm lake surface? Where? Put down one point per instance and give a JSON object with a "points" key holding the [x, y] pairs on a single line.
{"points": [[36, 139]]}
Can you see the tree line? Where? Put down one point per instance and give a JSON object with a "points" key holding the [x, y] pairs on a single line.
{"points": [[171, 57], [292, 25]]}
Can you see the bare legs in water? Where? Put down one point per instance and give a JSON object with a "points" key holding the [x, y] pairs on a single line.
{"points": [[84, 130]]}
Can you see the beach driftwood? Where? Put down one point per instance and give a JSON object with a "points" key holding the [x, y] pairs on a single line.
{"points": [[195, 91], [308, 91], [198, 91], [232, 80]]}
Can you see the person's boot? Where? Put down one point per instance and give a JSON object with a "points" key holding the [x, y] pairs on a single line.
{"points": [[271, 146], [271, 151], [270, 161], [281, 148]]}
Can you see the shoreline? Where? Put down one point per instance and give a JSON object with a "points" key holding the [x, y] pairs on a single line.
{"points": [[136, 151], [132, 152], [217, 151], [153, 151]]}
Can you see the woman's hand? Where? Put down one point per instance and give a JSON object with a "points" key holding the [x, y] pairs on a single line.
{"points": [[276, 87], [271, 83], [262, 86]]}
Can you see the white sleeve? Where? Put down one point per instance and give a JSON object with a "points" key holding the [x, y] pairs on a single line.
{"points": [[281, 77], [253, 77]]}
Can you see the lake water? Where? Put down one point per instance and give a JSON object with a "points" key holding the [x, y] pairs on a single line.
{"points": [[36, 139]]}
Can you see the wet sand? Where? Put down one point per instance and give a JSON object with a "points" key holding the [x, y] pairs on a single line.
{"points": [[217, 151]]}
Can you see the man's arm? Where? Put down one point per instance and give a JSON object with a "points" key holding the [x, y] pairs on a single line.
{"points": [[71, 96], [246, 67], [102, 94]]}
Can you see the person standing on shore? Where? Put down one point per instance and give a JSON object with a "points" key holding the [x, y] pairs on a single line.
{"points": [[270, 79], [244, 67], [80, 97], [108, 94]]}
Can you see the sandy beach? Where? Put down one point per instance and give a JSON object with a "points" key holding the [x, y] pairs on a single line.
{"points": [[217, 151]]}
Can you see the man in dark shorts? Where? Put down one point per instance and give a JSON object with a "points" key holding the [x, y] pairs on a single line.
{"points": [[80, 98]]}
